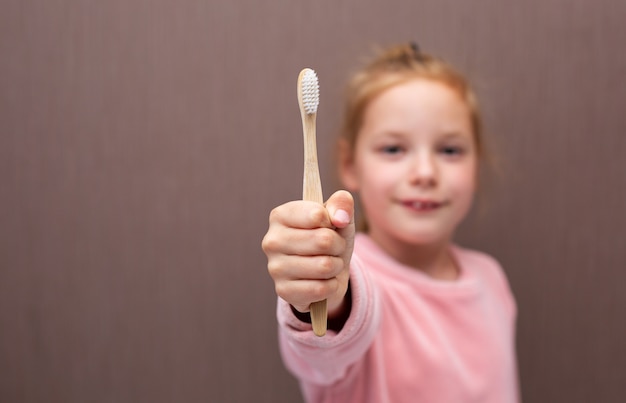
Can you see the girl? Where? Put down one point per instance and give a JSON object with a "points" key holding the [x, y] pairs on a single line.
{"points": [[412, 316]]}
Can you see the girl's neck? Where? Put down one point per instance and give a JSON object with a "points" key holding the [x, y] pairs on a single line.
{"points": [[434, 260]]}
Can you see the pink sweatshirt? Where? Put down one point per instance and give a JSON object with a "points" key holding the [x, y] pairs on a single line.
{"points": [[410, 338]]}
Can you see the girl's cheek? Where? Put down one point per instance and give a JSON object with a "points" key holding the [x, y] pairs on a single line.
{"points": [[468, 184]]}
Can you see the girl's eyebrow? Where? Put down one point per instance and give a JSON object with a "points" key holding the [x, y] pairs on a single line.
{"points": [[454, 135], [387, 133]]}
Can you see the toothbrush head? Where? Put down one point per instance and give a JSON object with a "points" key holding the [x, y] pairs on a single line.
{"points": [[308, 91]]}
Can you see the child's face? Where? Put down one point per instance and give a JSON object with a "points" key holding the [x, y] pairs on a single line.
{"points": [[414, 164]]}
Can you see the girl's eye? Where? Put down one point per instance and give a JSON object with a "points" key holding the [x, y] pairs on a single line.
{"points": [[392, 150], [452, 151]]}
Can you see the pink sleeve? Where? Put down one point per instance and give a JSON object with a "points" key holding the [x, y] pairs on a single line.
{"points": [[324, 360]]}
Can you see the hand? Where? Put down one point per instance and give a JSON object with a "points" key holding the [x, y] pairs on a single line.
{"points": [[308, 248]]}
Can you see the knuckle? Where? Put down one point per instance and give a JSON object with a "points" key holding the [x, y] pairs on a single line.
{"points": [[275, 214], [274, 268], [326, 266], [269, 243], [320, 290], [281, 289], [324, 240], [317, 214]]}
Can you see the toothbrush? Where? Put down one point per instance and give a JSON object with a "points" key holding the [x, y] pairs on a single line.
{"points": [[308, 99]]}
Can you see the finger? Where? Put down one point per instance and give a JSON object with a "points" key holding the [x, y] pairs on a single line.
{"points": [[340, 208], [340, 205], [301, 214], [295, 268], [304, 242], [300, 294]]}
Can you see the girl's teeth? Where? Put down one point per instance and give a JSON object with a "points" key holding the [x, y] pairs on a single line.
{"points": [[423, 205]]}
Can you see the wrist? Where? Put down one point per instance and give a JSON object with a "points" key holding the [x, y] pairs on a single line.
{"points": [[338, 316]]}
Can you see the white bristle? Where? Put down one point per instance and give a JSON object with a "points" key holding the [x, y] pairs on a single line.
{"points": [[310, 92]]}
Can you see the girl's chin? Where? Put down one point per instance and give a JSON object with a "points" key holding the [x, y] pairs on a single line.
{"points": [[416, 238], [426, 240]]}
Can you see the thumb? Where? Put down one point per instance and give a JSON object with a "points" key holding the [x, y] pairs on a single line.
{"points": [[340, 207]]}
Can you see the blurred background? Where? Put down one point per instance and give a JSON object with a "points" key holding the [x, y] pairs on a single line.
{"points": [[144, 142]]}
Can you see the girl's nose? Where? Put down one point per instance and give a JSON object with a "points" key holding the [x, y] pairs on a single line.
{"points": [[424, 170]]}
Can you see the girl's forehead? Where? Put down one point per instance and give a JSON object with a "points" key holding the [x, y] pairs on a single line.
{"points": [[418, 103], [421, 91]]}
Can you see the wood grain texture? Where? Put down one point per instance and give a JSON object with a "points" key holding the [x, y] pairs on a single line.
{"points": [[311, 181], [143, 144]]}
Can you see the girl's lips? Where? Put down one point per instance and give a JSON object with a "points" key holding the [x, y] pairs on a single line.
{"points": [[423, 205]]}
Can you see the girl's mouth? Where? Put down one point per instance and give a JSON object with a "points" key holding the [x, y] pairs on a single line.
{"points": [[423, 205]]}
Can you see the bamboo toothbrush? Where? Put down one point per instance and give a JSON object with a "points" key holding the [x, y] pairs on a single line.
{"points": [[308, 99]]}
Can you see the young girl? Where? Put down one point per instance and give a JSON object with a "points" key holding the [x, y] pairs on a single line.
{"points": [[412, 316]]}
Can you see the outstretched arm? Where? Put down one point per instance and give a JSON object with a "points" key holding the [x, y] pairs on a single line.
{"points": [[309, 249]]}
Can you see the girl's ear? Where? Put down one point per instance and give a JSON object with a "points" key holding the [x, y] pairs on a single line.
{"points": [[347, 170]]}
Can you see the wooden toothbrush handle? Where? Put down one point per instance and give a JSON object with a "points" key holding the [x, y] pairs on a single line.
{"points": [[319, 317], [312, 191]]}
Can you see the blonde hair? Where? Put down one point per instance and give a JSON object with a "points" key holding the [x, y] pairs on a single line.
{"points": [[397, 65]]}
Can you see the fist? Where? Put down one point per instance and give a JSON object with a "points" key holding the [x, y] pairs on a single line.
{"points": [[308, 248]]}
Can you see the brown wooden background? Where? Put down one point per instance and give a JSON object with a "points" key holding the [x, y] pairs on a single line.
{"points": [[143, 143]]}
